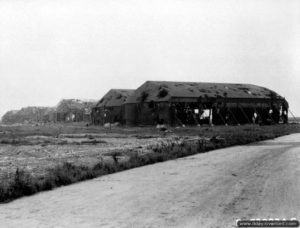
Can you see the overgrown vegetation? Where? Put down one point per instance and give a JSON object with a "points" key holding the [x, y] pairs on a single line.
{"points": [[23, 183], [22, 141]]}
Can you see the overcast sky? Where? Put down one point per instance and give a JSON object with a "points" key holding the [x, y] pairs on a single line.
{"points": [[57, 49]]}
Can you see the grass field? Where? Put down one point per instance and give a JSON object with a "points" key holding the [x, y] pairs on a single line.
{"points": [[40, 157]]}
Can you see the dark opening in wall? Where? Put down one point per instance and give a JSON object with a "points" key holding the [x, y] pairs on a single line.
{"points": [[151, 104]]}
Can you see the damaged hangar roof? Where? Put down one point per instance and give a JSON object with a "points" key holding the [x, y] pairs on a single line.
{"points": [[160, 91], [114, 97], [66, 105]]}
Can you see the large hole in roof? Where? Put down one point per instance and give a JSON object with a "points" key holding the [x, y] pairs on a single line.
{"points": [[204, 91], [163, 86], [119, 97], [162, 93], [143, 96]]}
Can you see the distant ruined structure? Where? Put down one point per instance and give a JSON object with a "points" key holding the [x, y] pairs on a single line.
{"points": [[73, 110], [67, 110]]}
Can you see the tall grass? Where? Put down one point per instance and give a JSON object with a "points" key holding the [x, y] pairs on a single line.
{"points": [[24, 184]]}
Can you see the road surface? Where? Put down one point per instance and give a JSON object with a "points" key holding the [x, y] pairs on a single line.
{"points": [[206, 190]]}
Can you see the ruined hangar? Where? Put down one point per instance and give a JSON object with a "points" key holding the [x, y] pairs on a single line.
{"points": [[73, 110], [190, 103], [109, 108]]}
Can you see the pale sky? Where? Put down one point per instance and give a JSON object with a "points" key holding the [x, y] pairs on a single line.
{"points": [[54, 49]]}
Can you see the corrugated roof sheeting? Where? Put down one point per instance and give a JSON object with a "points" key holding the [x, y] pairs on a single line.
{"points": [[159, 91], [114, 97]]}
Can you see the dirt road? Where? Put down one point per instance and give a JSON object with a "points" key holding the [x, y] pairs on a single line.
{"points": [[213, 189]]}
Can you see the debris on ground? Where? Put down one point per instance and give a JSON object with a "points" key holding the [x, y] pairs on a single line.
{"points": [[107, 125], [161, 127], [217, 139], [168, 131]]}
